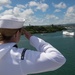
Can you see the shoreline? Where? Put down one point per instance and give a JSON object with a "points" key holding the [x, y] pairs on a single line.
{"points": [[45, 29]]}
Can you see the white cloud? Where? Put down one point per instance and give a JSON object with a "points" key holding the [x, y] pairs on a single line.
{"points": [[16, 11], [33, 20], [39, 5], [26, 13], [8, 6], [1, 8], [60, 5], [45, 20], [33, 3], [7, 12], [4, 2], [70, 15], [42, 7], [51, 17], [57, 10], [21, 6], [70, 12]]}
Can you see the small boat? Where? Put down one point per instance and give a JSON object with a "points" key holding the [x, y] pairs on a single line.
{"points": [[42, 34], [68, 33]]}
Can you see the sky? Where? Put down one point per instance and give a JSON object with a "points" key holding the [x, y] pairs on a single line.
{"points": [[40, 12]]}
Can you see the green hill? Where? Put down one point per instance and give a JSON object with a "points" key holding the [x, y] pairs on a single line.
{"points": [[45, 29]]}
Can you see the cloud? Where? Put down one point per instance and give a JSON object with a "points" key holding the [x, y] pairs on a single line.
{"points": [[42, 7], [21, 6], [19, 11], [9, 6], [27, 13], [4, 2], [33, 20], [33, 3], [57, 10], [16, 11], [70, 15], [45, 20], [51, 17], [70, 12], [39, 5], [7, 12], [61, 5], [1, 8]]}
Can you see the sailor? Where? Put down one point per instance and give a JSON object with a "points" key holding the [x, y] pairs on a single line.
{"points": [[21, 61]]}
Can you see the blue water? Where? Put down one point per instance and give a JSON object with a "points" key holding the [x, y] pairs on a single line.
{"points": [[65, 44]]}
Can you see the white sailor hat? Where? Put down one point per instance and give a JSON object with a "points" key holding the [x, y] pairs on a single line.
{"points": [[11, 22]]}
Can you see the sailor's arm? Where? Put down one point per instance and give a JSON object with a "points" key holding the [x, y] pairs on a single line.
{"points": [[47, 58]]}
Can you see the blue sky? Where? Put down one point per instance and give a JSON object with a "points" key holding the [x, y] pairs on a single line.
{"points": [[40, 12]]}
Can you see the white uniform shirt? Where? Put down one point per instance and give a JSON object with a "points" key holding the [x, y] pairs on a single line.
{"points": [[46, 58]]}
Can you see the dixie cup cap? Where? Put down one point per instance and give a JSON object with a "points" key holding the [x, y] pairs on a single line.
{"points": [[11, 22]]}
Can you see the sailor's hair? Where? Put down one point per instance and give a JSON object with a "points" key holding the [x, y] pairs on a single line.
{"points": [[6, 34]]}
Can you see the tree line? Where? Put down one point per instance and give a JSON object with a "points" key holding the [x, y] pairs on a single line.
{"points": [[45, 29]]}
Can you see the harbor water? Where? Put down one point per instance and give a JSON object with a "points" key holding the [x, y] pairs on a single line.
{"points": [[65, 44]]}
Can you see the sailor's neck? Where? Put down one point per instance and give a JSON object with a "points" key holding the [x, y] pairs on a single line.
{"points": [[3, 42]]}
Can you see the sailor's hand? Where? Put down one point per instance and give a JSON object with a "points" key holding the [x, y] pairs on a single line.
{"points": [[26, 33]]}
